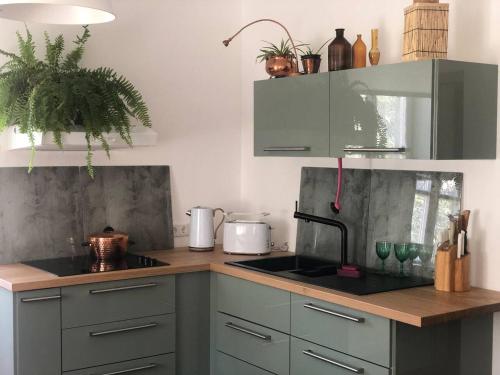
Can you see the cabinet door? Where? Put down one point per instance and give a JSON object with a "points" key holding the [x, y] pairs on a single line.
{"points": [[38, 332], [311, 359], [466, 110], [382, 112], [227, 365], [292, 116]]}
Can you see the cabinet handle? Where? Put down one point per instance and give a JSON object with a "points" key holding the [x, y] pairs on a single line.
{"points": [[356, 370], [123, 288], [148, 367], [334, 313], [41, 299], [395, 150], [122, 330], [292, 148], [248, 331]]}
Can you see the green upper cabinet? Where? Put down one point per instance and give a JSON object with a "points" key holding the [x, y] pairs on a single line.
{"points": [[292, 116], [436, 109]]}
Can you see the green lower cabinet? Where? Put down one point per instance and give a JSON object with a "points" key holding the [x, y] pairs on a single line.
{"points": [[38, 332], [252, 343], [160, 365], [254, 302], [192, 304], [102, 344], [311, 359], [227, 365], [342, 329]]}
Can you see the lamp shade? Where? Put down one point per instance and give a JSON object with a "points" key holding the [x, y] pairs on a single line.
{"points": [[59, 12]]}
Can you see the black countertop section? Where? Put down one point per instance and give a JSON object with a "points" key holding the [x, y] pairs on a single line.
{"points": [[322, 273]]}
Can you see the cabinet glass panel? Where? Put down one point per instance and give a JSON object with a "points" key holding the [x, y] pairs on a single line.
{"points": [[383, 111], [292, 116]]}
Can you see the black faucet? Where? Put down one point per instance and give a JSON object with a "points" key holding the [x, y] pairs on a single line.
{"points": [[326, 221]]}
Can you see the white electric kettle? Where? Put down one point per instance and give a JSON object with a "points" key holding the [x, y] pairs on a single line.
{"points": [[202, 234]]}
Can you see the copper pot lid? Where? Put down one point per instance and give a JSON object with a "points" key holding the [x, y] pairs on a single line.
{"points": [[108, 232]]}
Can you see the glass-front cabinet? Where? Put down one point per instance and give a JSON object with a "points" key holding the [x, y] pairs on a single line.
{"points": [[435, 109], [382, 112]]}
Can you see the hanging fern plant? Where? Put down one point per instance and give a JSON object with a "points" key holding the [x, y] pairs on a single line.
{"points": [[57, 95]]}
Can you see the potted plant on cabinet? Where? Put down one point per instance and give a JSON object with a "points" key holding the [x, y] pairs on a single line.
{"points": [[311, 60], [279, 59], [56, 95]]}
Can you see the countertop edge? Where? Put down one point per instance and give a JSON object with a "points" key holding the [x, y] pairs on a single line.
{"points": [[415, 307]]}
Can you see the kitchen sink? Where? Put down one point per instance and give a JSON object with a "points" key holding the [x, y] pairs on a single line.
{"points": [[321, 272]]}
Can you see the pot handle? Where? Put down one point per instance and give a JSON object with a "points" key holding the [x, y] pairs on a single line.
{"points": [[222, 220]]}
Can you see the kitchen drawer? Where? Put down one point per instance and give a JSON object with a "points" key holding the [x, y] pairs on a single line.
{"points": [[159, 365], [116, 342], [311, 359], [227, 365], [352, 332], [257, 303], [117, 300], [257, 345]]}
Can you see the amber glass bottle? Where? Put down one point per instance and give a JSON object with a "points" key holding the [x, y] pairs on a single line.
{"points": [[339, 52], [359, 53]]}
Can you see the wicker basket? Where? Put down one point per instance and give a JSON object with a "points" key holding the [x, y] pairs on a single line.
{"points": [[426, 32]]}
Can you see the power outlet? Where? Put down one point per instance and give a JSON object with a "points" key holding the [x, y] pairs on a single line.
{"points": [[181, 230]]}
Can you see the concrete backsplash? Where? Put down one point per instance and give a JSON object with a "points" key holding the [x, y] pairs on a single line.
{"points": [[49, 212], [377, 205]]}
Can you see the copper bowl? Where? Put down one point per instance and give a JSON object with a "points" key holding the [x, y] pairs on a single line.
{"points": [[108, 245], [280, 66]]}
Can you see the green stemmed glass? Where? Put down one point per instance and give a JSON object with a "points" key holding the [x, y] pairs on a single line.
{"points": [[402, 252], [383, 249], [415, 249]]}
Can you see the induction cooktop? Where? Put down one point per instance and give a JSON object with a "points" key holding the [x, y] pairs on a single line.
{"points": [[81, 265]]}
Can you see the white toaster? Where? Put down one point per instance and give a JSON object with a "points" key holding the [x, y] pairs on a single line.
{"points": [[247, 237]]}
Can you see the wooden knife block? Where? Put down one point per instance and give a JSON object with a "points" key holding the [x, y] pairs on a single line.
{"points": [[452, 274]]}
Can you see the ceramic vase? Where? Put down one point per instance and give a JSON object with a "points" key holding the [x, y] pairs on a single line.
{"points": [[339, 52], [359, 53], [374, 52]]}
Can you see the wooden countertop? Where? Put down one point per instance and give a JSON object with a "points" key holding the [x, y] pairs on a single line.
{"points": [[418, 306]]}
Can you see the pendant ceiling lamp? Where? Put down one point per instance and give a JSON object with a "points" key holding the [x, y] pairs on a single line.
{"points": [[59, 12]]}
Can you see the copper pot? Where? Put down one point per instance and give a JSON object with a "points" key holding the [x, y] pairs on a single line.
{"points": [[280, 66], [108, 245], [311, 63]]}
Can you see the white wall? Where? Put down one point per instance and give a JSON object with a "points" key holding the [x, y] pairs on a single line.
{"points": [[273, 183], [172, 51]]}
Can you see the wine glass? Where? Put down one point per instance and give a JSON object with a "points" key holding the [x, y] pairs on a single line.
{"points": [[402, 252], [383, 249], [415, 249]]}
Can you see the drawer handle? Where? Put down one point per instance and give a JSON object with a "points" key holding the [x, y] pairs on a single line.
{"points": [[148, 367], [123, 288], [122, 330], [395, 150], [248, 331], [289, 148], [356, 370], [41, 299], [334, 313]]}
